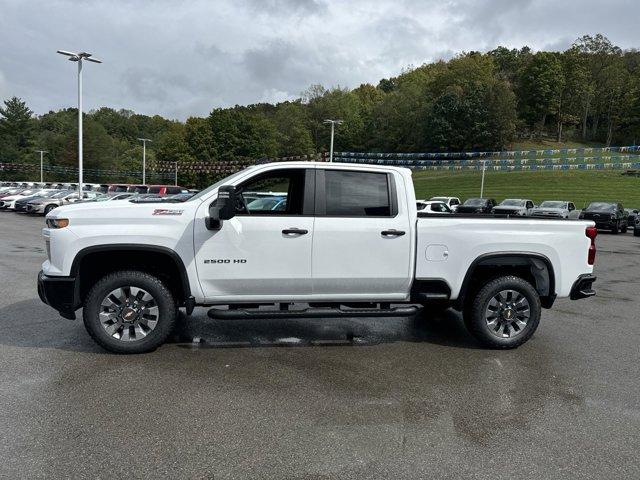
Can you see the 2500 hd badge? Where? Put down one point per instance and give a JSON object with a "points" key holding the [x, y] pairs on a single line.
{"points": [[226, 260]]}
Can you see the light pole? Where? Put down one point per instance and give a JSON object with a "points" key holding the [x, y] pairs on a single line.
{"points": [[176, 178], [79, 57], [144, 159], [333, 125], [484, 167], [42, 152]]}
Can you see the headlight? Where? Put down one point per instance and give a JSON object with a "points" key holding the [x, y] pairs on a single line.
{"points": [[57, 222]]}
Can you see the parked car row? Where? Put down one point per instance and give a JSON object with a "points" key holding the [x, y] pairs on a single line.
{"points": [[41, 198], [607, 215]]}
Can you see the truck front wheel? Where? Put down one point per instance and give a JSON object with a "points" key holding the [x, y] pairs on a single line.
{"points": [[504, 313], [129, 312]]}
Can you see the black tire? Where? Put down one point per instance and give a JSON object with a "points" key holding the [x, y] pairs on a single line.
{"points": [[624, 229], [616, 228], [476, 320], [636, 232], [48, 208], [161, 295]]}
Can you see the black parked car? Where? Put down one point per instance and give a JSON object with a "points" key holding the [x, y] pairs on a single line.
{"points": [[607, 215], [477, 205], [633, 214]]}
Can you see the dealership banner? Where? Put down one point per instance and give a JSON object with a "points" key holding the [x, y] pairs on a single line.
{"points": [[601, 158], [507, 154]]}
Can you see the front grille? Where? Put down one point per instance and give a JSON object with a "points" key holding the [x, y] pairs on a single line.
{"points": [[47, 244]]}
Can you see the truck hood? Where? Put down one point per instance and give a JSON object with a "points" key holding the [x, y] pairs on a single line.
{"points": [[120, 212], [508, 207], [470, 208], [551, 210]]}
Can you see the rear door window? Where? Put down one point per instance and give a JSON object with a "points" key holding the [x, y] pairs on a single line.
{"points": [[356, 194]]}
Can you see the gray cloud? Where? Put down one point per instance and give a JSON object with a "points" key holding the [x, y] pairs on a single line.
{"points": [[181, 59], [287, 7]]}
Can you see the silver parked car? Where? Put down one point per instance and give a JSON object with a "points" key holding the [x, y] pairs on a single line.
{"points": [[45, 205], [553, 209]]}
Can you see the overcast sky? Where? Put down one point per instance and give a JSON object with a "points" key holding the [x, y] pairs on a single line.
{"points": [[180, 58]]}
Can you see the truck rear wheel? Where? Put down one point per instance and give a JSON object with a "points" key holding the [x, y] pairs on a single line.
{"points": [[129, 312], [504, 313]]}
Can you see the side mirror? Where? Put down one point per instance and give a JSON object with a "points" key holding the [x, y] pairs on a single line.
{"points": [[224, 208]]}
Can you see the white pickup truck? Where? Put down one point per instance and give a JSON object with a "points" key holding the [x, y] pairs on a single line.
{"points": [[338, 240]]}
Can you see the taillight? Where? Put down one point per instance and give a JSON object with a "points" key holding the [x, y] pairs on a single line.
{"points": [[591, 233]]}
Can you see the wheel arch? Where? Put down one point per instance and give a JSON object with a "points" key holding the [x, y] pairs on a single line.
{"points": [[535, 267], [92, 263]]}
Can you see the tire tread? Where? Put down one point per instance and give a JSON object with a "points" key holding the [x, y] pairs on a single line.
{"points": [[474, 313], [160, 333]]}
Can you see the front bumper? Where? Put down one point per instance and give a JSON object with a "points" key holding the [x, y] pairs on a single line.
{"points": [[60, 293], [34, 208], [583, 287]]}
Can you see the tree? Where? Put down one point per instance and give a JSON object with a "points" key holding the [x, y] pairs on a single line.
{"points": [[16, 129], [541, 82], [294, 137]]}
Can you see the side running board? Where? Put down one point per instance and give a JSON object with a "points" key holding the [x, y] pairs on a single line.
{"points": [[237, 314]]}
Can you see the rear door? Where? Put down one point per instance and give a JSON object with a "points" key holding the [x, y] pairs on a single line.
{"points": [[362, 236]]}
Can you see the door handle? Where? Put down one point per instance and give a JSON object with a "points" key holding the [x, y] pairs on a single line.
{"points": [[392, 233], [295, 231]]}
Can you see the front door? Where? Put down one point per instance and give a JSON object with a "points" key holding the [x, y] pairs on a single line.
{"points": [[362, 236], [264, 252]]}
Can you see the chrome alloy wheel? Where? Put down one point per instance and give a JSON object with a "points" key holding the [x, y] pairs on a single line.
{"points": [[128, 313], [507, 314]]}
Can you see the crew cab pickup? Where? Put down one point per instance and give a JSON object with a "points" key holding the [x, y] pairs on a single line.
{"points": [[346, 241]]}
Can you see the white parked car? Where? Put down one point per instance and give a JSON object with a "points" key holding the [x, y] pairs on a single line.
{"points": [[349, 242], [452, 202], [9, 202], [429, 206]]}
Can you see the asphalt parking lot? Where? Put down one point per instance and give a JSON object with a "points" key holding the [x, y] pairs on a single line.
{"points": [[361, 398]]}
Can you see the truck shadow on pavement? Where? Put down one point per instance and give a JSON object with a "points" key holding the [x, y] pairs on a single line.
{"points": [[31, 324], [444, 329]]}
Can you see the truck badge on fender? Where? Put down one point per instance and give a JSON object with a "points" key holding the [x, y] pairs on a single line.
{"points": [[167, 211]]}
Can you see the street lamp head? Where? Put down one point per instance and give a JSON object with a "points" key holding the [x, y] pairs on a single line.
{"points": [[74, 57], [336, 122], [145, 139]]}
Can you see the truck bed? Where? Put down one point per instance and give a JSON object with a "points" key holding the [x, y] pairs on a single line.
{"points": [[447, 245]]}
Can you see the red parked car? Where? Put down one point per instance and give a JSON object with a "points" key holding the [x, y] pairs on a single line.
{"points": [[163, 190], [117, 188]]}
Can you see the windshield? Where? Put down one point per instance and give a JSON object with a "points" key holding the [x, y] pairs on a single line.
{"points": [[512, 202], [439, 199], [474, 202], [120, 197], [602, 207], [219, 183], [264, 204], [553, 205], [60, 194]]}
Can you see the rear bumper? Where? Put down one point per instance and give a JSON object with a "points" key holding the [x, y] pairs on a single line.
{"points": [[60, 293], [583, 287]]}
